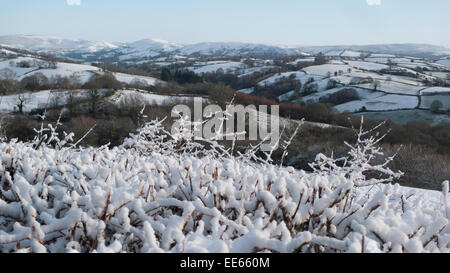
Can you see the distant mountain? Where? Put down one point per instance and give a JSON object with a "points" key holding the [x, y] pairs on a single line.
{"points": [[146, 48], [53, 44], [83, 50], [420, 50], [237, 49]]}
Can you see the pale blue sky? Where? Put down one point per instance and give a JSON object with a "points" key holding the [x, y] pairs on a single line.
{"points": [[292, 22]]}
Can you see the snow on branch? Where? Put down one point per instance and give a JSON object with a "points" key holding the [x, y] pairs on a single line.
{"points": [[164, 192]]}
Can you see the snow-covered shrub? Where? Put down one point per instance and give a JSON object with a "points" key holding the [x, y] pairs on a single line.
{"points": [[149, 195]]}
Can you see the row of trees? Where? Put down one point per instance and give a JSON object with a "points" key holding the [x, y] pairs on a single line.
{"points": [[38, 81], [35, 82]]}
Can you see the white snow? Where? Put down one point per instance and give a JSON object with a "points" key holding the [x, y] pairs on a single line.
{"points": [[286, 96], [435, 90], [445, 62], [83, 72], [151, 196], [323, 70], [299, 75], [148, 98], [363, 94], [41, 99], [303, 60], [213, 66], [247, 90], [351, 53], [46, 43], [367, 65], [381, 103], [128, 78]]}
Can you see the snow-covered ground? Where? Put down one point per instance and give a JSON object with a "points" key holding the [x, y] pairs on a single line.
{"points": [[50, 98], [252, 70], [299, 75], [444, 98], [367, 65], [303, 60], [395, 87], [286, 96], [42, 99], [148, 98], [213, 66], [83, 72], [381, 103], [435, 90], [324, 70], [445, 62], [351, 53], [363, 94], [247, 90], [128, 79]]}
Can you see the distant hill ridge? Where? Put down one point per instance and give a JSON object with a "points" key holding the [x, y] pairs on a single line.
{"points": [[150, 48]]}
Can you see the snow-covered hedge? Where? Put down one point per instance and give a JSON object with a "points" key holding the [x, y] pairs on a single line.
{"points": [[154, 195]]}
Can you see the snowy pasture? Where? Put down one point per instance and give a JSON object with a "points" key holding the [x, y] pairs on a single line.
{"points": [[128, 79], [83, 72], [381, 103], [427, 100], [367, 65], [324, 70], [213, 66], [445, 62], [363, 94], [42, 99], [299, 75]]}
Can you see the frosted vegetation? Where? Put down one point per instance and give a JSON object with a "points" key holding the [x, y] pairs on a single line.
{"points": [[164, 192]]}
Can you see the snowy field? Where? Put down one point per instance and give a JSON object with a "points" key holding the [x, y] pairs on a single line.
{"points": [[252, 70], [363, 94], [302, 60], [128, 79], [406, 116], [351, 53], [395, 87], [381, 103], [205, 67], [435, 90], [247, 90], [323, 70], [82, 71], [19, 71], [445, 62], [299, 75], [367, 65], [41, 99], [426, 101]]}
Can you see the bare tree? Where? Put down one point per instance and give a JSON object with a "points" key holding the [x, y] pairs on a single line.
{"points": [[436, 106], [375, 84], [21, 100], [7, 74], [94, 97], [131, 106]]}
